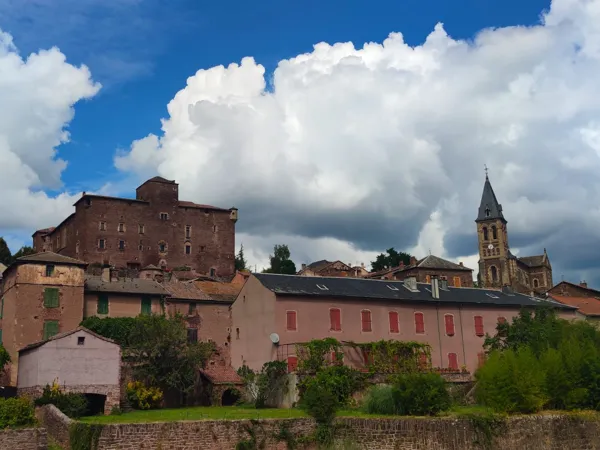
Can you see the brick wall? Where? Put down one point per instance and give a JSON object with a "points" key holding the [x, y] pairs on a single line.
{"points": [[520, 433], [24, 439]]}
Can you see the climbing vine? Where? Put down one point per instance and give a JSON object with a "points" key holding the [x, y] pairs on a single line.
{"points": [[84, 436], [486, 426], [252, 442], [394, 356], [316, 354]]}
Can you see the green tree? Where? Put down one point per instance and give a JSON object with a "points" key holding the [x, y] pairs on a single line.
{"points": [[23, 251], [5, 255], [391, 258], [240, 260], [281, 262]]}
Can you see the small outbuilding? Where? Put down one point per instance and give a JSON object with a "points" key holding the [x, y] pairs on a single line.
{"points": [[80, 361]]}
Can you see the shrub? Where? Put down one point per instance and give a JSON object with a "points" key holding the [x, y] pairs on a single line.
{"points": [[380, 400], [16, 412], [142, 397], [420, 394], [321, 404], [71, 404], [341, 381]]}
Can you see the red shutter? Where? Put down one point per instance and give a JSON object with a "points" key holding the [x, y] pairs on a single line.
{"points": [[479, 326], [291, 320], [366, 320], [501, 319], [449, 318], [335, 320], [292, 363], [423, 361], [480, 358], [394, 326], [452, 361], [419, 323]]}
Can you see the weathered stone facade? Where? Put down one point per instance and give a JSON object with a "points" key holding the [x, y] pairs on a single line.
{"points": [[24, 439], [154, 228], [111, 391]]}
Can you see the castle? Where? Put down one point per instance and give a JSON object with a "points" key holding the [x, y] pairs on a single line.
{"points": [[498, 267]]}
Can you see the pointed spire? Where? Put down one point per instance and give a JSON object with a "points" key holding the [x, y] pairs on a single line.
{"points": [[489, 209]]}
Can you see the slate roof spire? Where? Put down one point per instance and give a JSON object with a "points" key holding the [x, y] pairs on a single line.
{"points": [[489, 209]]}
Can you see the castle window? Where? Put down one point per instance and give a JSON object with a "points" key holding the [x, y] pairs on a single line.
{"points": [[536, 283], [141, 246], [214, 228], [162, 247], [188, 249], [77, 248], [494, 273], [188, 231], [102, 226], [485, 233], [164, 216], [49, 270], [212, 272], [141, 228], [101, 244], [494, 232], [121, 228], [121, 245]]}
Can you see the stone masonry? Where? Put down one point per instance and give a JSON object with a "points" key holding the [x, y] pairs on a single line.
{"points": [[24, 439]]}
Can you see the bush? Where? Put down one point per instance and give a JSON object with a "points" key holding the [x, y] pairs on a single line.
{"points": [[71, 404], [420, 394], [16, 412], [380, 400], [321, 404], [341, 381], [142, 397]]}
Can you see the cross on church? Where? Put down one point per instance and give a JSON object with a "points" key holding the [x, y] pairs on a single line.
{"points": [[486, 170]]}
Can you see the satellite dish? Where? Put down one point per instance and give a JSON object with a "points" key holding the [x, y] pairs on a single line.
{"points": [[274, 338], [491, 246]]}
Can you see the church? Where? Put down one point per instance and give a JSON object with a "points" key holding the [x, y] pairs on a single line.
{"points": [[498, 267]]}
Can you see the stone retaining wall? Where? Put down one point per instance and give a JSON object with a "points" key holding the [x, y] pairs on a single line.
{"points": [[56, 424], [543, 432], [24, 439]]}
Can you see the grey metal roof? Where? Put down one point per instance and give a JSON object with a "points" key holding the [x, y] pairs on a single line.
{"points": [[124, 286], [360, 288], [489, 207]]}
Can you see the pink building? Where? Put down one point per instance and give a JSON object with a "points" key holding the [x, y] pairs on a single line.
{"points": [[297, 309]]}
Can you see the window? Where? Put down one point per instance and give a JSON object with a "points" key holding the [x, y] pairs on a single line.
{"points": [[456, 281], [49, 270], [322, 287], [192, 334], [427, 279], [479, 325], [480, 359], [423, 361], [494, 273], [419, 323], [292, 363], [51, 298], [536, 283], [494, 232], [77, 247], [102, 226], [394, 322], [88, 201], [102, 306], [188, 231], [164, 216], [237, 333], [487, 212], [101, 244], [80, 340], [490, 295], [485, 233], [214, 228], [162, 247], [291, 321], [121, 228], [392, 288], [212, 272], [50, 328], [449, 321], [146, 305], [452, 361], [121, 245], [141, 228], [365, 319], [335, 319], [191, 309], [188, 249]]}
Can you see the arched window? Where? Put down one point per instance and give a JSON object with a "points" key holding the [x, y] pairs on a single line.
{"points": [[485, 233], [494, 232], [536, 283], [494, 273]]}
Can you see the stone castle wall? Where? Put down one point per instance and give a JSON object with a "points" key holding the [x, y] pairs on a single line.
{"points": [[24, 439]]}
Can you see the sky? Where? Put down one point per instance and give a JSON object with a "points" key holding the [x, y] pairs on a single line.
{"points": [[337, 129]]}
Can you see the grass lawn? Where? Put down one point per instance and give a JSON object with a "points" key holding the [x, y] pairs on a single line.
{"points": [[207, 413]]}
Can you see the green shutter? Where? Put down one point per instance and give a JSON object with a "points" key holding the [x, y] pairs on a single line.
{"points": [[51, 296], [146, 305], [102, 304], [50, 328]]}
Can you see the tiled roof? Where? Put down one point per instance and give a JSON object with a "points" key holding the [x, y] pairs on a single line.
{"points": [[593, 292], [185, 204], [184, 291], [316, 265], [435, 262], [361, 288], [50, 257], [185, 274], [217, 290], [62, 335], [587, 305], [532, 261], [124, 286], [221, 375]]}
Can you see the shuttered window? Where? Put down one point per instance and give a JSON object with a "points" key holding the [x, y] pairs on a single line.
{"points": [[291, 320], [481, 358], [292, 363], [394, 323], [457, 282], [102, 304], [365, 318], [192, 335], [449, 320], [51, 298], [452, 361], [479, 326], [146, 305], [335, 319], [419, 323], [50, 328]]}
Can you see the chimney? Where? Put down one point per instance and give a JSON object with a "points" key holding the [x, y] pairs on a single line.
{"points": [[444, 284], [410, 283], [413, 261], [362, 264], [460, 264], [303, 266], [583, 284], [83, 194], [435, 287], [105, 274]]}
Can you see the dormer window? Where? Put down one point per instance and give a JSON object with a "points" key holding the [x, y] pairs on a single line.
{"points": [[322, 287], [393, 288], [487, 212]]}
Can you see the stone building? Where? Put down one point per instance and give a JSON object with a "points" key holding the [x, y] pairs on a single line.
{"points": [[79, 361], [586, 299], [41, 295], [154, 228], [498, 267], [324, 268], [456, 275]]}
